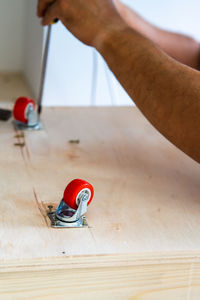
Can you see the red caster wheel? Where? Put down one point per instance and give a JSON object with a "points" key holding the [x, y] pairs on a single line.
{"points": [[21, 107], [77, 189]]}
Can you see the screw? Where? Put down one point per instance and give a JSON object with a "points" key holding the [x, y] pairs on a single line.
{"points": [[50, 207], [18, 136], [19, 144], [74, 141], [84, 221]]}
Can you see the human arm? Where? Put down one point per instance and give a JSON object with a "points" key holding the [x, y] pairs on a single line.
{"points": [[181, 47], [167, 92]]}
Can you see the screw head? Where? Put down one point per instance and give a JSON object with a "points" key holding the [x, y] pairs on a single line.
{"points": [[50, 207], [84, 220]]}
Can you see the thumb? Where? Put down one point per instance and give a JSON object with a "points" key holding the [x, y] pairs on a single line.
{"points": [[51, 14]]}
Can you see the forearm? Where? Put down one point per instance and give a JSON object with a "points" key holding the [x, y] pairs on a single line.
{"points": [[167, 92], [182, 48]]}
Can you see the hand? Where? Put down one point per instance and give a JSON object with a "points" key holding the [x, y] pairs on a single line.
{"points": [[86, 19]]}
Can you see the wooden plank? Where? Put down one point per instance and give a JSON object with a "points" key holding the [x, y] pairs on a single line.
{"points": [[146, 191], [146, 201], [17, 198], [84, 278]]}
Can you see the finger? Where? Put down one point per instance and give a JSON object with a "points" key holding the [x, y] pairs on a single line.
{"points": [[51, 14], [42, 7]]}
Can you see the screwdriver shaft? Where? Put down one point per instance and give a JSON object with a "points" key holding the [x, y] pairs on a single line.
{"points": [[44, 69]]}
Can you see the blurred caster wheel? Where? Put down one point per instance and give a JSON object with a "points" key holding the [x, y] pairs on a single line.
{"points": [[21, 108]]}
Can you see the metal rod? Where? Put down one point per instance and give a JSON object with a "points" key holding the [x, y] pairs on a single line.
{"points": [[44, 69], [93, 96]]}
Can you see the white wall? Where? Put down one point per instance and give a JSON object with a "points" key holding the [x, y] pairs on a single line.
{"points": [[21, 40], [70, 79], [176, 15], [32, 46], [11, 34], [70, 74], [70, 69]]}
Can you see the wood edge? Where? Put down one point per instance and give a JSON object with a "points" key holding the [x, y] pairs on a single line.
{"points": [[99, 261], [102, 107]]}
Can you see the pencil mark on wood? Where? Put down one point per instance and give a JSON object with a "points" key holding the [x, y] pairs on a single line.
{"points": [[27, 152], [92, 235], [117, 226], [72, 156], [21, 142], [39, 205]]}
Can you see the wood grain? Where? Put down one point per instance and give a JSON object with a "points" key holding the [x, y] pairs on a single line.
{"points": [[103, 277], [143, 241]]}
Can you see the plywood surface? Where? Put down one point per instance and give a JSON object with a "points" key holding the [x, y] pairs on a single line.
{"points": [[144, 216]]}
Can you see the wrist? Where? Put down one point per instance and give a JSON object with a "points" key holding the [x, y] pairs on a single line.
{"points": [[108, 33]]}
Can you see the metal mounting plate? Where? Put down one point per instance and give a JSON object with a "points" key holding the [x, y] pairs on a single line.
{"points": [[56, 223], [22, 126]]}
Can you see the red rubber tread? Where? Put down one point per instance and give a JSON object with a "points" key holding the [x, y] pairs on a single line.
{"points": [[73, 189], [19, 109]]}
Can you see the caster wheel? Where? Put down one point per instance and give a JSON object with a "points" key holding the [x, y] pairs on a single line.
{"points": [[77, 188], [21, 108]]}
